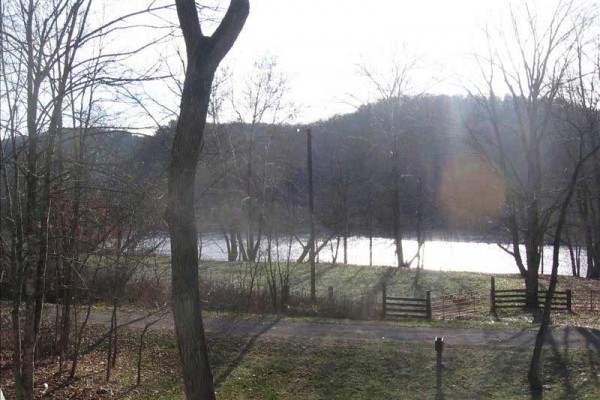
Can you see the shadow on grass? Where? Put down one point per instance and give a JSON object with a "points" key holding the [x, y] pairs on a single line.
{"points": [[562, 359], [385, 277], [65, 382], [232, 365], [518, 334], [592, 339], [561, 356]]}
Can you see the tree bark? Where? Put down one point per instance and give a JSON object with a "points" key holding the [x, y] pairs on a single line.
{"points": [[535, 375], [203, 56]]}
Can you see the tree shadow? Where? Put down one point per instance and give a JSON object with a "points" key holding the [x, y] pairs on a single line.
{"points": [[561, 355], [233, 364], [358, 272], [385, 277], [521, 333], [65, 381], [592, 342], [319, 273], [416, 286], [537, 395], [563, 360]]}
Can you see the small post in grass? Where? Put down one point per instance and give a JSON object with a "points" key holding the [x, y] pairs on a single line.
{"points": [[439, 349], [569, 300], [330, 294]]}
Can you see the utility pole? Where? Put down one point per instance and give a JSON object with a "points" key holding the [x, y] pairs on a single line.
{"points": [[313, 290]]}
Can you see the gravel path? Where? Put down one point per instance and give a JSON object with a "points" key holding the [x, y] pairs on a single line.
{"points": [[571, 337]]}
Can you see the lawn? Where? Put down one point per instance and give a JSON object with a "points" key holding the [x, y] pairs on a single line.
{"points": [[357, 292], [355, 281], [301, 368], [295, 368]]}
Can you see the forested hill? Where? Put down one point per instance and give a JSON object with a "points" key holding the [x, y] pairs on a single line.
{"points": [[405, 167], [414, 163], [427, 162]]}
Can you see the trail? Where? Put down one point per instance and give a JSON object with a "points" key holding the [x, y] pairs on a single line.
{"points": [[565, 337]]}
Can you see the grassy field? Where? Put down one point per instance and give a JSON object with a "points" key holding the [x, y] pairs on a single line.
{"points": [[357, 291], [253, 368], [355, 281]]}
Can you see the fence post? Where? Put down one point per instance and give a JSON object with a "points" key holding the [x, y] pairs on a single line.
{"points": [[330, 293], [569, 301], [429, 305], [493, 295], [383, 294], [443, 306]]}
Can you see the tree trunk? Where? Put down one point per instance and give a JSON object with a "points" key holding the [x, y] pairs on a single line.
{"points": [[534, 375], [531, 288], [232, 247], [181, 218], [533, 245], [311, 211], [396, 209], [203, 57]]}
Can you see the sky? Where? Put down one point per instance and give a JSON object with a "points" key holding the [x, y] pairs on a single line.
{"points": [[320, 46]]}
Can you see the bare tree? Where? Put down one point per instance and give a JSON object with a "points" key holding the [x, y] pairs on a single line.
{"points": [[204, 53], [262, 101], [581, 106], [47, 66], [534, 375], [41, 41], [579, 110], [530, 62], [391, 116]]}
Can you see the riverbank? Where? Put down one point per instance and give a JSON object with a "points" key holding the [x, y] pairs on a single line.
{"points": [[355, 292]]}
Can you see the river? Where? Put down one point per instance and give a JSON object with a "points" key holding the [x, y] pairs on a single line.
{"points": [[439, 255]]}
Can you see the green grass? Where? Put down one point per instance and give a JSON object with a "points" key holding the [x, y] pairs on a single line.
{"points": [[305, 369], [354, 281], [293, 368], [357, 292]]}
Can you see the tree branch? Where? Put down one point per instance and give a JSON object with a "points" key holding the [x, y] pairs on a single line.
{"points": [[229, 29]]}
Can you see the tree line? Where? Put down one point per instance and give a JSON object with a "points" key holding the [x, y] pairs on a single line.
{"points": [[439, 183]]}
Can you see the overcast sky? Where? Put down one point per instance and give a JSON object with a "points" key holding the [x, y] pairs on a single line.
{"points": [[320, 44]]}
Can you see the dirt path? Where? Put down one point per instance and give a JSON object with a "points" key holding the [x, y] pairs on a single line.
{"points": [[570, 337]]}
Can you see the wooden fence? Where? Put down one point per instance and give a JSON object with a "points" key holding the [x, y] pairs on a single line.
{"points": [[516, 298], [464, 305], [405, 307]]}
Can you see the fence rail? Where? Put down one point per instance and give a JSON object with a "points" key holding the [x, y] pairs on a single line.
{"points": [[459, 305], [405, 307], [476, 304], [586, 301], [517, 298]]}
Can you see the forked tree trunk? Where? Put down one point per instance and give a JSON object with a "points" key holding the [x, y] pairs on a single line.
{"points": [[181, 218], [203, 56]]}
